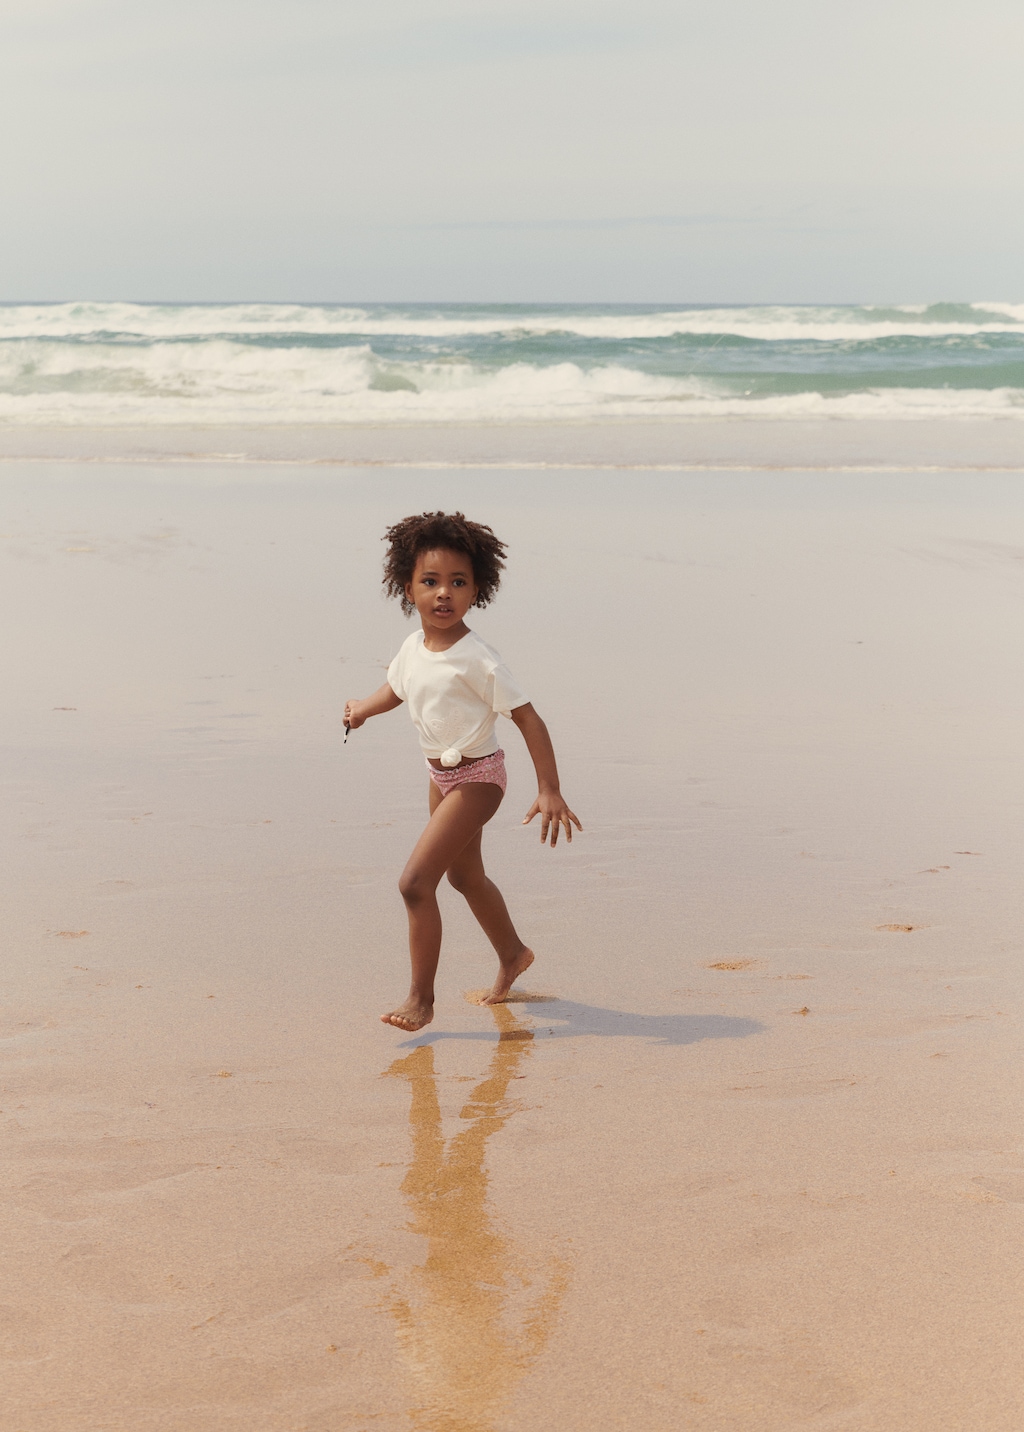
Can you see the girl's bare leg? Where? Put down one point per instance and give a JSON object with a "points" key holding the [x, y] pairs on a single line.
{"points": [[454, 820], [466, 873]]}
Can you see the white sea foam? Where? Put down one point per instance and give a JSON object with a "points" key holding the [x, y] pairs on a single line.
{"points": [[220, 381], [123, 363], [1014, 311], [768, 323]]}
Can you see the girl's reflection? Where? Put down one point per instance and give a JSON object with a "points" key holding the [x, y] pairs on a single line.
{"points": [[469, 1322]]}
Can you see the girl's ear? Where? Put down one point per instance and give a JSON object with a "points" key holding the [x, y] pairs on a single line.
{"points": [[408, 593]]}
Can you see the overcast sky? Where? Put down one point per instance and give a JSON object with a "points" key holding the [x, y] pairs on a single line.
{"points": [[516, 150]]}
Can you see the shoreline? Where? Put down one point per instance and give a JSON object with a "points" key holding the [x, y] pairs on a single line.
{"points": [[951, 445]]}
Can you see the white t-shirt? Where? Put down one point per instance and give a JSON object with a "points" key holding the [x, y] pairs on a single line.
{"points": [[454, 696]]}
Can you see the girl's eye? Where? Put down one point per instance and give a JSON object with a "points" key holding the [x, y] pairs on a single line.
{"points": [[459, 582], [428, 581]]}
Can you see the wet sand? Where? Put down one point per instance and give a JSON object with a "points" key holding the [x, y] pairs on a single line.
{"points": [[753, 1161], [806, 444]]}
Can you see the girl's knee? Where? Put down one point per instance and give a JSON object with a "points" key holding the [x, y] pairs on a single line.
{"points": [[466, 881], [458, 880], [414, 887]]}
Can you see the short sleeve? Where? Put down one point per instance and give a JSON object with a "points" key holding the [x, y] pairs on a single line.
{"points": [[505, 692], [395, 677]]}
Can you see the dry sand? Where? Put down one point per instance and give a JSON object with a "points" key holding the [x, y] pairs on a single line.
{"points": [[754, 1162]]}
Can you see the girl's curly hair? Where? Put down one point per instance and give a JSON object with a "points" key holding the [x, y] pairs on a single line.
{"points": [[448, 530]]}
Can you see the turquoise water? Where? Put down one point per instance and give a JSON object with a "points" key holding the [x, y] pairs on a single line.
{"points": [[293, 363]]}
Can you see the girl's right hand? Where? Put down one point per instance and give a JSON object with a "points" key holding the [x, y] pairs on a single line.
{"points": [[353, 715]]}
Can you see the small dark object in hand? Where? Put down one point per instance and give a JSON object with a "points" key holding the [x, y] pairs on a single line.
{"points": [[348, 728]]}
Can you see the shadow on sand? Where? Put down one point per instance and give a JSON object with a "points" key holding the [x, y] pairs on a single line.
{"points": [[565, 1019]]}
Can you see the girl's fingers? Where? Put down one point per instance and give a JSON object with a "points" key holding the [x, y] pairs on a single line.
{"points": [[553, 824]]}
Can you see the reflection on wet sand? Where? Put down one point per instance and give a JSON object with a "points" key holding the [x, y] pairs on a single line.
{"points": [[469, 1321]]}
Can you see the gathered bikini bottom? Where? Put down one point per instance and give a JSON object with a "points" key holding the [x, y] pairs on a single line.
{"points": [[490, 770]]}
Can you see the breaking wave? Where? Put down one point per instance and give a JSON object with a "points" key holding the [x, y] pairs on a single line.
{"points": [[123, 363]]}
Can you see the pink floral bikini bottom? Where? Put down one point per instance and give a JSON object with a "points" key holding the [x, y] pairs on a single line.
{"points": [[489, 769]]}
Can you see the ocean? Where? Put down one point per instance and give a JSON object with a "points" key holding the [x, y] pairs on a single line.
{"points": [[131, 363]]}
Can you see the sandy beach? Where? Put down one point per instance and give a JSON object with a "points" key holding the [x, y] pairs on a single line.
{"points": [[750, 443], [749, 1157]]}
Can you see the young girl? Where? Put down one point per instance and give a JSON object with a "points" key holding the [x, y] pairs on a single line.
{"points": [[455, 685]]}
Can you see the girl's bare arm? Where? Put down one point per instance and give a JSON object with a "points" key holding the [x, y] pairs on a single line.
{"points": [[550, 804], [383, 699]]}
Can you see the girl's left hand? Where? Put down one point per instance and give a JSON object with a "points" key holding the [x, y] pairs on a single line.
{"points": [[554, 814]]}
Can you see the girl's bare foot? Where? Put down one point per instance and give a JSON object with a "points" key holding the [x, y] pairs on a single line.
{"points": [[412, 1015], [507, 976]]}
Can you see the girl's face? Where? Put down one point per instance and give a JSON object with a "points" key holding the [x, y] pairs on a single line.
{"points": [[442, 588]]}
